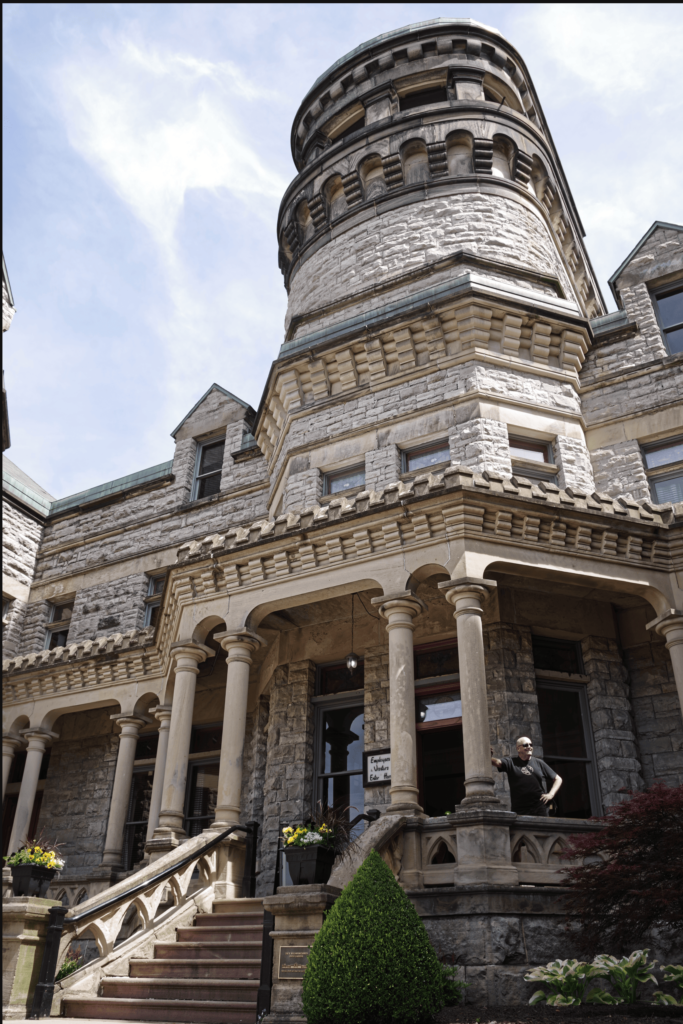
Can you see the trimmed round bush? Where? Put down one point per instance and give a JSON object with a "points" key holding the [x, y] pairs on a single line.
{"points": [[372, 960]]}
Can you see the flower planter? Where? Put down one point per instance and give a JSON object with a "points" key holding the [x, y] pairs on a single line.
{"points": [[31, 880], [309, 865]]}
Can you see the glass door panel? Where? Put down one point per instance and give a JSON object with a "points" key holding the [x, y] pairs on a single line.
{"points": [[203, 791], [441, 769], [340, 760]]}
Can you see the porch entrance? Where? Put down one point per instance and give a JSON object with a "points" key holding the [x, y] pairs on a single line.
{"points": [[438, 724]]}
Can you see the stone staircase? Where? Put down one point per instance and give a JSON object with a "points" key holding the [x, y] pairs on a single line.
{"points": [[209, 975]]}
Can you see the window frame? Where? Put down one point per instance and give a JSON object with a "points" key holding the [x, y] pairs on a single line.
{"points": [[672, 471], [329, 477], [590, 760], [425, 449], [57, 625], [530, 468], [197, 477], [154, 600], [333, 702], [197, 761], [662, 292]]}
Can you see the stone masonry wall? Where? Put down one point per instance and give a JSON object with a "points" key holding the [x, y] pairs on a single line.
{"points": [[573, 458], [254, 771], [657, 713], [376, 700], [113, 607], [382, 467], [304, 489], [619, 470], [75, 808], [36, 618], [288, 788], [481, 444], [21, 536], [618, 762]]}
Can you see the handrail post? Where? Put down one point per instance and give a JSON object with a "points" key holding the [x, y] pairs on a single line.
{"points": [[42, 997], [249, 877]]}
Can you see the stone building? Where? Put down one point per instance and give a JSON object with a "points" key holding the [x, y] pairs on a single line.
{"points": [[462, 470]]}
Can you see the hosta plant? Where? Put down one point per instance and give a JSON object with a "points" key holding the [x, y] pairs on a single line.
{"points": [[628, 972], [568, 980], [673, 972]]}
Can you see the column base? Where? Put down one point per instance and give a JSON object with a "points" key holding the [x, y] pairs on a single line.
{"points": [[163, 841], [406, 808]]}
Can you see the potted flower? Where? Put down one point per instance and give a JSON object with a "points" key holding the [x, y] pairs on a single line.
{"points": [[311, 848], [33, 868]]}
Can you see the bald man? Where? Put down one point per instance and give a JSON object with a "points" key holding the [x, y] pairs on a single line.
{"points": [[529, 779]]}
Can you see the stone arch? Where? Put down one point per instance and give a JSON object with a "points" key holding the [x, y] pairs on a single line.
{"points": [[415, 162], [304, 222], [442, 854], [144, 703], [526, 851], [426, 571], [51, 717], [19, 723], [503, 157], [206, 626], [289, 597], [459, 153], [556, 851], [372, 177], [333, 190], [63, 898]]}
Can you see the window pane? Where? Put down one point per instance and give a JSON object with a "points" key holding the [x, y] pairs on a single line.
{"points": [[206, 738], [437, 662], [342, 740], [669, 490], [437, 707], [63, 612], [424, 459], [209, 485], [153, 614], [671, 308], [158, 584], [342, 792], [561, 722], [556, 655], [665, 455], [338, 678], [443, 770], [141, 795], [420, 99], [674, 340], [522, 450], [211, 457], [58, 638], [203, 793], [147, 746], [573, 799], [344, 481]]}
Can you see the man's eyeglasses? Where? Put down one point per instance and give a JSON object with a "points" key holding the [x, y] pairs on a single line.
{"points": [[525, 744]]}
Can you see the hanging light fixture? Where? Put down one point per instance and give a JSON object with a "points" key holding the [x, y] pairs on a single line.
{"points": [[352, 659]]}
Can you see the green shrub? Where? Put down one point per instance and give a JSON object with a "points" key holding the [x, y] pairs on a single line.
{"points": [[372, 960], [453, 990], [70, 964]]}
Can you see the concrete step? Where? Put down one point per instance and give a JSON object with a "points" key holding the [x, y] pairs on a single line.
{"points": [[239, 933], [163, 1010], [253, 905], [229, 920], [206, 950], [176, 968], [220, 989]]}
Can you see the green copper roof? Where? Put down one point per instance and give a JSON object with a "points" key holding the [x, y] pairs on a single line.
{"points": [[124, 483]]}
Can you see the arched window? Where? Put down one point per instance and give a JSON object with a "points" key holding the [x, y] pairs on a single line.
{"points": [[305, 221], [415, 162], [503, 157], [459, 154], [334, 195], [372, 177]]}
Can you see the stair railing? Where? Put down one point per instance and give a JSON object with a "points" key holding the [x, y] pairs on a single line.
{"points": [[266, 983], [146, 894]]}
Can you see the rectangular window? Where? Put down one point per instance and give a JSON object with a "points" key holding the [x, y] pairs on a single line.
{"points": [[340, 744], [206, 738], [202, 796], [209, 468], [552, 655], [422, 98], [135, 831], [433, 661], [155, 592], [338, 678], [524, 452], [420, 459], [58, 626], [344, 480], [664, 466], [668, 304], [568, 747]]}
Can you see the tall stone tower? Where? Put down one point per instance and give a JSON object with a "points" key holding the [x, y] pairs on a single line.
{"points": [[433, 257]]}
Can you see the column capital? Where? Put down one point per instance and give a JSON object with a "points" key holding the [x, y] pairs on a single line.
{"points": [[191, 653], [130, 724], [400, 608], [467, 593], [162, 712], [239, 644], [670, 626], [10, 741], [39, 738]]}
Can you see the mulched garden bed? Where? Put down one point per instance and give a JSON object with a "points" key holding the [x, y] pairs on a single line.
{"points": [[473, 1014]]}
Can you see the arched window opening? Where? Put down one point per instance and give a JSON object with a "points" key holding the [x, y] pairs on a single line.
{"points": [[372, 177], [415, 163], [305, 221], [459, 154], [336, 199], [442, 855], [503, 157]]}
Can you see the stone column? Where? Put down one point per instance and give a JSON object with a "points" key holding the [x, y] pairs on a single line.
{"points": [[163, 713], [120, 794], [38, 741], [169, 833], [10, 745], [670, 626], [239, 646], [467, 597], [399, 610]]}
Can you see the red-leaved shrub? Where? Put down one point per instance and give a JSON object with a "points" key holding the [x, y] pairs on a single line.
{"points": [[638, 883]]}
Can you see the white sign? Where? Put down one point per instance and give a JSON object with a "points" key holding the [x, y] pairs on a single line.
{"points": [[379, 768]]}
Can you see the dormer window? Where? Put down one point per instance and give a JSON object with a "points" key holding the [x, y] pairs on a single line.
{"points": [[209, 468], [668, 304]]}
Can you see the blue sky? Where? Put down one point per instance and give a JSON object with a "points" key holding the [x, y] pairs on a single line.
{"points": [[146, 148]]}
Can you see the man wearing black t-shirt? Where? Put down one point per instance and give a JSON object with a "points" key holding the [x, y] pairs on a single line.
{"points": [[529, 779]]}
